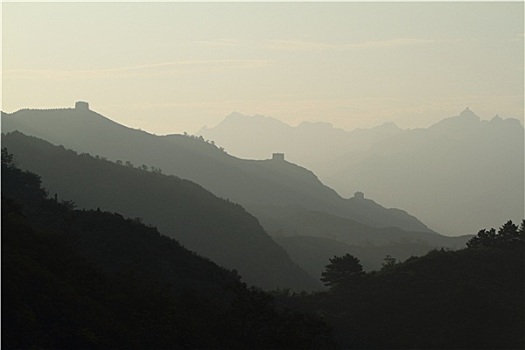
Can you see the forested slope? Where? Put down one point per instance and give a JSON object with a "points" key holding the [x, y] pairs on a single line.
{"points": [[211, 226], [92, 279], [466, 299], [260, 186]]}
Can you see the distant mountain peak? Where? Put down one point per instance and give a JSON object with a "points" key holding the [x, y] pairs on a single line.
{"points": [[468, 114], [239, 119], [465, 118], [235, 116], [388, 126], [509, 122]]}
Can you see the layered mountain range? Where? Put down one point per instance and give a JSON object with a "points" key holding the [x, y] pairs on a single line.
{"points": [[286, 199], [458, 175], [260, 186], [75, 279], [213, 227]]}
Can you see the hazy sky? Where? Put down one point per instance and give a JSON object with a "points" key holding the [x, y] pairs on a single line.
{"points": [[174, 67]]}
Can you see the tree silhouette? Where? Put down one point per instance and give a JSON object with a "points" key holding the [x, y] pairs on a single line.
{"points": [[8, 159], [509, 235], [388, 262], [341, 270]]}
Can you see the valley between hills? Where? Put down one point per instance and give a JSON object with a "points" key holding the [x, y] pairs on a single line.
{"points": [[165, 217]]}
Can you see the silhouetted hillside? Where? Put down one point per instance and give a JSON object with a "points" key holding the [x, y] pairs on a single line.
{"points": [[466, 299], [312, 253], [202, 222], [318, 224], [310, 238], [259, 186], [91, 279]]}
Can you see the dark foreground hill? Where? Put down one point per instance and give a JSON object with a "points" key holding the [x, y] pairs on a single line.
{"points": [[467, 299], [311, 237], [213, 227], [312, 253], [262, 187], [90, 279]]}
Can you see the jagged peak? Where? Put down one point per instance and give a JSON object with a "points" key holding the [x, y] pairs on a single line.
{"points": [[388, 126], [466, 117], [468, 114], [239, 118], [235, 116], [497, 120]]}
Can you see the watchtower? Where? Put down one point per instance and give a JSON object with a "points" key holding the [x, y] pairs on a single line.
{"points": [[359, 195], [82, 106], [278, 156]]}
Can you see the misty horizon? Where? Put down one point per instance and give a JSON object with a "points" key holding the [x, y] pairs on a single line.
{"points": [[256, 115], [341, 160], [354, 65], [263, 175]]}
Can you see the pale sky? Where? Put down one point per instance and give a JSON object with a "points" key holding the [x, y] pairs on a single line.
{"points": [[175, 67]]}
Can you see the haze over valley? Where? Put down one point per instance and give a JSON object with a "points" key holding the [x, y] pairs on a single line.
{"points": [[435, 173], [263, 175], [299, 224]]}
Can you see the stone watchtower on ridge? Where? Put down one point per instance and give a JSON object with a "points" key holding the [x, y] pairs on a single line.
{"points": [[278, 156], [81, 106], [359, 195]]}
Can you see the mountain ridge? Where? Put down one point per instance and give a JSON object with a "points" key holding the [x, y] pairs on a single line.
{"points": [[213, 227], [433, 173], [93, 279], [222, 174]]}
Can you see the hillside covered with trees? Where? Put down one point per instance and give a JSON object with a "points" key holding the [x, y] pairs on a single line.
{"points": [[213, 227], [217, 228], [93, 279], [472, 298]]}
